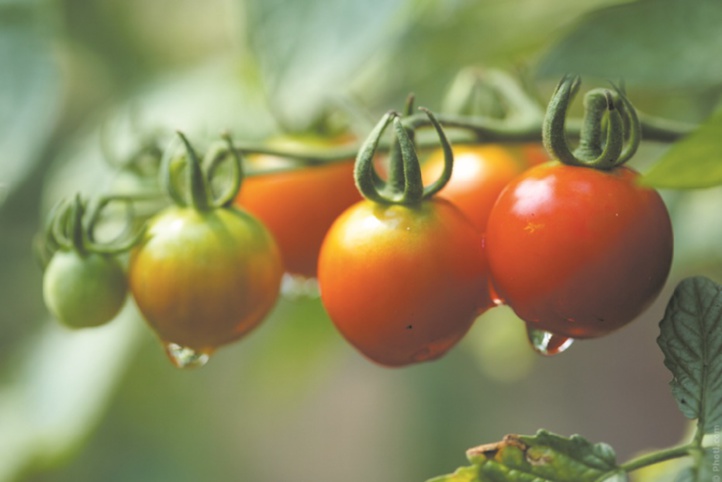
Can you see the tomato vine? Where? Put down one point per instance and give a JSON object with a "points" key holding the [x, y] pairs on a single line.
{"points": [[576, 246]]}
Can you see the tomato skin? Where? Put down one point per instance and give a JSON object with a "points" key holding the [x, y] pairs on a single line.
{"points": [[84, 290], [403, 284], [205, 278], [479, 175], [530, 154], [577, 251], [299, 205]]}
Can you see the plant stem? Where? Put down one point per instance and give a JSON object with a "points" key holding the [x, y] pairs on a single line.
{"points": [[467, 130], [659, 456]]}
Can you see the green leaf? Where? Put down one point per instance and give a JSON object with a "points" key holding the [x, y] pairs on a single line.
{"points": [[313, 50], [693, 162], [62, 390], [29, 92], [691, 340], [539, 458], [663, 43]]}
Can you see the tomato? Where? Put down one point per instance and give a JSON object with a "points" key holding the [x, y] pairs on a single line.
{"points": [[479, 175], [204, 278], [84, 290], [530, 154], [403, 284], [298, 205], [577, 251]]}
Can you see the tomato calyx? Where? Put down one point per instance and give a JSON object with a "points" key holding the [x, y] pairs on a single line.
{"points": [[196, 190], [610, 130], [404, 184], [71, 226]]}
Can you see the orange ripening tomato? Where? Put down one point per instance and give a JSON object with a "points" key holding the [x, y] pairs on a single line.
{"points": [[403, 284], [530, 154], [298, 205], [203, 279], [479, 175], [577, 251]]}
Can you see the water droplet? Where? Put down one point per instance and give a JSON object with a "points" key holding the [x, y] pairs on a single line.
{"points": [[546, 343], [297, 286], [495, 297], [184, 357]]}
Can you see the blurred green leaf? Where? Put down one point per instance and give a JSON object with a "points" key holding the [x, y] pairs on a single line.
{"points": [[691, 340], [663, 43], [542, 457], [311, 51], [693, 162], [450, 35], [29, 92], [64, 385]]}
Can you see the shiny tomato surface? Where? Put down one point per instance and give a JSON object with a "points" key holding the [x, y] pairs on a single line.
{"points": [[479, 175], [299, 204], [577, 251], [403, 284]]}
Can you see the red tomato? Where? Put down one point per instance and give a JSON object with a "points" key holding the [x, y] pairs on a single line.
{"points": [[403, 284], [577, 251], [299, 205], [479, 175]]}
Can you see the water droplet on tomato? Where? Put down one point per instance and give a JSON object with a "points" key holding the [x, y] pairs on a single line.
{"points": [[184, 357], [546, 343], [494, 295]]}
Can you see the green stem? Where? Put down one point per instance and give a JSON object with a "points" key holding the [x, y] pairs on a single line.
{"points": [[469, 130], [651, 459], [658, 457]]}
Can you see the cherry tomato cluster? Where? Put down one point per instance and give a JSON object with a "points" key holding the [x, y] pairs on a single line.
{"points": [[577, 248], [205, 270], [406, 259]]}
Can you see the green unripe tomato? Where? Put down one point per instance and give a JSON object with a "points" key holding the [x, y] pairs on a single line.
{"points": [[84, 290]]}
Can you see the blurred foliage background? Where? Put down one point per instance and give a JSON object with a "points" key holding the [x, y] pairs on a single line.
{"points": [[293, 401]]}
